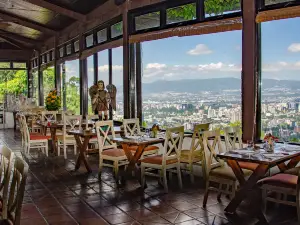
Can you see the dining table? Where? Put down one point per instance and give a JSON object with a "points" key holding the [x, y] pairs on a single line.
{"points": [[82, 138], [283, 156]]}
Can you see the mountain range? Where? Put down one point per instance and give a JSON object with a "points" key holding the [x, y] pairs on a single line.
{"points": [[214, 84]]}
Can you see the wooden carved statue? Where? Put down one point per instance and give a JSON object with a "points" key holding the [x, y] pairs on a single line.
{"points": [[101, 99]]}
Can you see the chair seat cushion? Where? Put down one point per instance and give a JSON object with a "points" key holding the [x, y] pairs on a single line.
{"points": [[184, 157], [226, 172], [294, 171], [115, 152], [148, 148], [39, 137], [248, 165], [158, 160], [280, 180]]}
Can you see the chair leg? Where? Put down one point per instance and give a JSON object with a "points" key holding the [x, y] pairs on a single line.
{"points": [[46, 149], [75, 149], [219, 192], [206, 194], [264, 197], [192, 173], [100, 165], [143, 178], [65, 151], [116, 169], [58, 150], [179, 176], [165, 180]]}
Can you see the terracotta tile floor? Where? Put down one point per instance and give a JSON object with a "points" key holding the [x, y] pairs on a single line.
{"points": [[55, 194]]}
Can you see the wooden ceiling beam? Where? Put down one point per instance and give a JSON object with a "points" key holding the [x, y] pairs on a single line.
{"points": [[25, 22], [20, 38], [6, 54], [14, 42], [58, 9]]}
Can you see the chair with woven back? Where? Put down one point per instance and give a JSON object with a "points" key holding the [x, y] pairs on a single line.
{"points": [[132, 128], [64, 140], [90, 123], [108, 150], [13, 201], [233, 141], [169, 160], [216, 170], [195, 153], [6, 156]]}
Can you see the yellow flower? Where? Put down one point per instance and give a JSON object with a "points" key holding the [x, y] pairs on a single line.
{"points": [[52, 101]]}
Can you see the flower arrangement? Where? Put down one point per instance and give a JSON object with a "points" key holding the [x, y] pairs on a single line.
{"points": [[270, 142], [270, 137], [155, 129], [53, 101]]}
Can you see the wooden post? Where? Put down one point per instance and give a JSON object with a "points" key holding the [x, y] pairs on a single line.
{"points": [[110, 74], [96, 74], [83, 76], [249, 70], [126, 62], [40, 82], [139, 99], [29, 80], [132, 75], [57, 67]]}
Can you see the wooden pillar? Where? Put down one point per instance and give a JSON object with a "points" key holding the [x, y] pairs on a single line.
{"points": [[132, 77], [126, 62], [29, 80], [96, 72], [83, 86], [40, 82], [57, 68], [64, 94], [110, 76], [139, 100], [250, 75]]}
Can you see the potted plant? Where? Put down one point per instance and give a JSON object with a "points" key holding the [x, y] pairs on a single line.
{"points": [[53, 101]]}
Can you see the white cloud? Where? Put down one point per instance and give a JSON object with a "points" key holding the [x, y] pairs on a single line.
{"points": [[155, 66], [295, 47], [105, 68], [200, 49]]}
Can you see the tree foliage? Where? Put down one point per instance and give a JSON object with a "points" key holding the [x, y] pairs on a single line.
{"points": [[219, 7]]}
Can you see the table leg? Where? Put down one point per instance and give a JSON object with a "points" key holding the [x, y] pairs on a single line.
{"points": [[246, 186], [53, 138], [82, 152]]}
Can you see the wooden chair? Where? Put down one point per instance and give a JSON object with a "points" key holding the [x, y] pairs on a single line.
{"points": [[168, 160], [282, 185], [216, 170], [108, 150], [195, 153], [233, 141], [132, 128], [94, 118], [34, 141], [48, 115], [70, 123], [16, 191], [5, 172]]}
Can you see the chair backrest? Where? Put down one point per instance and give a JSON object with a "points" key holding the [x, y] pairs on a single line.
{"points": [[131, 127], [5, 172], [105, 132], [233, 138], [25, 129], [71, 123], [197, 138], [212, 147], [17, 189], [48, 115], [90, 118], [173, 144]]}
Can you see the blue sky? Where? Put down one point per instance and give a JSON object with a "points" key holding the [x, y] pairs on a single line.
{"points": [[213, 55]]}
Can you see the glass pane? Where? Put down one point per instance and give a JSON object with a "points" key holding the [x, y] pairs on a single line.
{"points": [[19, 65], [89, 40], [102, 35], [48, 81], [117, 29], [69, 49], [52, 55], [48, 57], [61, 52], [271, 2], [4, 65], [181, 13], [220, 7], [76, 46], [72, 87], [90, 64], [147, 21], [117, 80], [103, 73]]}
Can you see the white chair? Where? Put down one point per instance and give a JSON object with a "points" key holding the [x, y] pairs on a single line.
{"points": [[49, 116], [195, 153], [216, 170], [132, 128], [70, 123], [90, 123], [108, 150], [34, 141], [168, 160]]}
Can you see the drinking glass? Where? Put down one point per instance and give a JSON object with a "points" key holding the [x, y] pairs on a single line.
{"points": [[284, 135], [147, 133], [249, 145]]}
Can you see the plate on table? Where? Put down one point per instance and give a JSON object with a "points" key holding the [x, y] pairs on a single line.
{"points": [[241, 151]]}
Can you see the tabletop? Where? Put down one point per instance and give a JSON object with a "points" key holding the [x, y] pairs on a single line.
{"points": [[84, 133], [60, 123], [138, 140], [261, 156]]}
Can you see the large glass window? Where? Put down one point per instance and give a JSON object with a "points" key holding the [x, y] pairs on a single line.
{"points": [[117, 80], [280, 93], [102, 36], [147, 21], [215, 8], [103, 70], [271, 2], [117, 29], [195, 80], [72, 86], [48, 80]]}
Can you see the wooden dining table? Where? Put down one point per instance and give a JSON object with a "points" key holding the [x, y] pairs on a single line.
{"points": [[82, 138], [283, 159]]}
